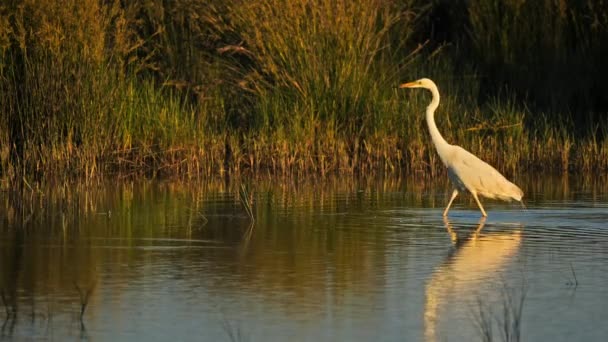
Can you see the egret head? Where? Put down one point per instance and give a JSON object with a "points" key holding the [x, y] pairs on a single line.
{"points": [[421, 83]]}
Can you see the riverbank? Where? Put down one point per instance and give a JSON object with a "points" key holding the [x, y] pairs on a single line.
{"points": [[203, 88]]}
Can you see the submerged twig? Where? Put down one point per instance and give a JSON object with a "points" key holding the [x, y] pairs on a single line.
{"points": [[575, 283], [235, 333]]}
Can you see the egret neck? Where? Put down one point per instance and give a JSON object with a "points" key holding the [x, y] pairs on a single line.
{"points": [[438, 140]]}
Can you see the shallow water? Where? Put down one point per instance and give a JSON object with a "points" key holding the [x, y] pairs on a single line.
{"points": [[324, 261]]}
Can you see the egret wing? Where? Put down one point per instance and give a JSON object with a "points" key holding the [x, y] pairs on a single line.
{"points": [[480, 177]]}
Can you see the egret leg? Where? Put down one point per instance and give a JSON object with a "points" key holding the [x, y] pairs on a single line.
{"points": [[483, 212], [454, 194]]}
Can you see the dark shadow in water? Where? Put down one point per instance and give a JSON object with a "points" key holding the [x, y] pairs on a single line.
{"points": [[474, 262], [8, 327]]}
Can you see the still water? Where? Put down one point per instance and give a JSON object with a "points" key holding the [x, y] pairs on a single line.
{"points": [[331, 260]]}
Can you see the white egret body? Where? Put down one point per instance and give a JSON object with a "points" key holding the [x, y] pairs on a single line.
{"points": [[465, 170]]}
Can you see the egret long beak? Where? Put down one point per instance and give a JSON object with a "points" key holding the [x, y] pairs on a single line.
{"points": [[408, 85]]}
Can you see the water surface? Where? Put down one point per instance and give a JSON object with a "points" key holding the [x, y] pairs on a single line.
{"points": [[325, 260]]}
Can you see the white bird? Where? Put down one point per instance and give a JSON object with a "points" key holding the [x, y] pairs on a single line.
{"points": [[465, 170]]}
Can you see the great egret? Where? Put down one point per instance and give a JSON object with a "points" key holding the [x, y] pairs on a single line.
{"points": [[465, 170]]}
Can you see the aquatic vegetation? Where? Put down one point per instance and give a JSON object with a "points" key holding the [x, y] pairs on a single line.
{"points": [[508, 319], [234, 331], [246, 199], [198, 88]]}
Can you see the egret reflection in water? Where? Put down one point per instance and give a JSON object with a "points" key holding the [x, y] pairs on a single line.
{"points": [[471, 271]]}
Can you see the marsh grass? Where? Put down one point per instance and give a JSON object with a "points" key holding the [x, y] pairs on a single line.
{"points": [[200, 88]]}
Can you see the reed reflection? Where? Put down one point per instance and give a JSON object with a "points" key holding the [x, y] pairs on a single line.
{"points": [[40, 281], [471, 269], [334, 249]]}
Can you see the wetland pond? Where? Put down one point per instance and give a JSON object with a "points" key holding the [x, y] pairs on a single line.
{"points": [[330, 260]]}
